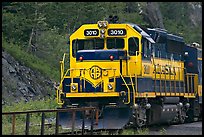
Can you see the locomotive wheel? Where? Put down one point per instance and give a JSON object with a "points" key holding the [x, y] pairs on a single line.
{"points": [[182, 116], [140, 117]]}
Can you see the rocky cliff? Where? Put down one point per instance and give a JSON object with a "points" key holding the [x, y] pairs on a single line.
{"points": [[21, 83]]}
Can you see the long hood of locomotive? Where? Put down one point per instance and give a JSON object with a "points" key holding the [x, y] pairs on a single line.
{"points": [[96, 70]]}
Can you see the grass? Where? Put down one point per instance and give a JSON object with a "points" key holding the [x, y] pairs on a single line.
{"points": [[130, 131], [163, 131], [35, 118], [30, 60]]}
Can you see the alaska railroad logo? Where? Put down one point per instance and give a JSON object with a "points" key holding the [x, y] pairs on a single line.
{"points": [[95, 72]]}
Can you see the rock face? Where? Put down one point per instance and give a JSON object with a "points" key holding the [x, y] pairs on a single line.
{"points": [[196, 13], [153, 15], [22, 83]]}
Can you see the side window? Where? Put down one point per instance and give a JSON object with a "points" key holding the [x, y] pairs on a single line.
{"points": [[77, 45], [145, 47], [74, 47], [133, 46], [147, 51], [153, 50]]}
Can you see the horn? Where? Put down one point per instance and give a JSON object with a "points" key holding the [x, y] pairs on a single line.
{"points": [[110, 18], [115, 19]]}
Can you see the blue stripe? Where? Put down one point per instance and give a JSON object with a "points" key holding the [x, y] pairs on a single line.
{"points": [[144, 85], [101, 54]]}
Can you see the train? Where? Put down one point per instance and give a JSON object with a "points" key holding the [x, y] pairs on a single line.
{"points": [[134, 76]]}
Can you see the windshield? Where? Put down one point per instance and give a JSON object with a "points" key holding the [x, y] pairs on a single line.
{"points": [[86, 44], [115, 43], [95, 44]]}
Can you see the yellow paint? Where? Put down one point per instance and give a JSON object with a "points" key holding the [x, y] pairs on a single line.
{"points": [[145, 94], [95, 94], [167, 69], [199, 90], [155, 94], [109, 69]]}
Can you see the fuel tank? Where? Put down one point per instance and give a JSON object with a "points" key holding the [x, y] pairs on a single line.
{"points": [[162, 114]]}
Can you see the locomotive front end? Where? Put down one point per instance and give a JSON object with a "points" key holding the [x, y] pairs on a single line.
{"points": [[99, 64], [98, 61]]}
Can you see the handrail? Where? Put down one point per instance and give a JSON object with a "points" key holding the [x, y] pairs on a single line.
{"points": [[132, 81], [127, 88], [62, 64], [160, 82], [136, 91], [133, 90], [58, 92], [192, 76]]}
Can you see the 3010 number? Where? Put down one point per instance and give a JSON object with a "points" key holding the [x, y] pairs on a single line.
{"points": [[116, 32], [91, 32]]}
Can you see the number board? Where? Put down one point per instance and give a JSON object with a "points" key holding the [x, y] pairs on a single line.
{"points": [[91, 32], [117, 32]]}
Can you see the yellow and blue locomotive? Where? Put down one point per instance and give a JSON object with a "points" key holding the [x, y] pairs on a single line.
{"points": [[132, 75]]}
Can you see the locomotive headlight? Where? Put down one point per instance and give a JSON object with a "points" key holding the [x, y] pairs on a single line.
{"points": [[105, 24], [74, 87], [100, 24], [110, 87], [102, 36], [102, 31]]}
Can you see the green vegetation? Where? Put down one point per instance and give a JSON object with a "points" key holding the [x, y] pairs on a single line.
{"points": [[163, 131], [30, 60], [35, 119], [144, 131]]}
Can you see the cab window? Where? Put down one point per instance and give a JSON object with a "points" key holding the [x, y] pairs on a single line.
{"points": [[86, 44], [133, 46], [115, 43]]}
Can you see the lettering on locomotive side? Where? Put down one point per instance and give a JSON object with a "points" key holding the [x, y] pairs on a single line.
{"points": [[167, 69]]}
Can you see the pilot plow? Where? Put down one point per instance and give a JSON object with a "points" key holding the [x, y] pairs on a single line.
{"points": [[109, 117]]}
